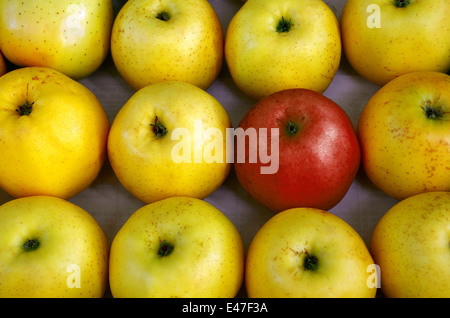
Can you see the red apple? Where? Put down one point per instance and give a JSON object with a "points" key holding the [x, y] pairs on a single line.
{"points": [[318, 151]]}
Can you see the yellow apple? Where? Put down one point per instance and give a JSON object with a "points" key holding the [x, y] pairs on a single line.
{"points": [[410, 243], [3, 68], [306, 252], [169, 139], [53, 134], [168, 40], [404, 134], [70, 36], [177, 247], [50, 247], [272, 45], [384, 39]]}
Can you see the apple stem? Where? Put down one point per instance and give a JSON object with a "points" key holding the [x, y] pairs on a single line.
{"points": [[163, 16], [158, 128], [431, 112], [310, 262], [401, 3], [291, 128], [165, 248], [31, 245], [283, 25], [25, 109]]}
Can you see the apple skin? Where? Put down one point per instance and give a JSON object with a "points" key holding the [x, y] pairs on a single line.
{"points": [[317, 165], [262, 61], [403, 151], [71, 37], [144, 163], [67, 234], [207, 259], [188, 47], [275, 264], [59, 148], [409, 39], [410, 244]]}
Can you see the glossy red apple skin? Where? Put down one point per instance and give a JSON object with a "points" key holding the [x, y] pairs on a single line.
{"points": [[317, 164]]}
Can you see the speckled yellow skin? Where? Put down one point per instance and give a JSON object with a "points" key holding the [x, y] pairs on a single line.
{"points": [[70, 36], [404, 152], [60, 147], [274, 266], [67, 235], [262, 61], [410, 243], [412, 38], [207, 259], [188, 47], [144, 164]]}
